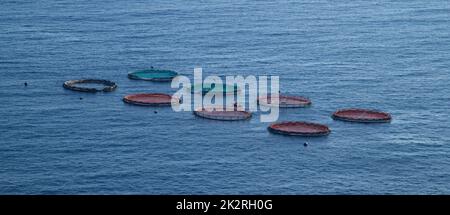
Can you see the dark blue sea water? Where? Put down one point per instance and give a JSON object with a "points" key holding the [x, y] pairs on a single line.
{"points": [[383, 54]]}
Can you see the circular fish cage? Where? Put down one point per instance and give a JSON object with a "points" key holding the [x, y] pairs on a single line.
{"points": [[223, 115], [305, 129], [214, 88], [286, 101], [149, 99], [153, 75], [107, 86], [362, 115]]}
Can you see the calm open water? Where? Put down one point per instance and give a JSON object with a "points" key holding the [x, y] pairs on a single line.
{"points": [[383, 54]]}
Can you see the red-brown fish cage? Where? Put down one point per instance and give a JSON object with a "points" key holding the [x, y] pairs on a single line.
{"points": [[221, 113], [297, 128], [149, 99], [286, 101], [362, 115]]}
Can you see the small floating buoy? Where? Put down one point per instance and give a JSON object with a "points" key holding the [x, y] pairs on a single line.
{"points": [[305, 144], [81, 98], [26, 84], [155, 111]]}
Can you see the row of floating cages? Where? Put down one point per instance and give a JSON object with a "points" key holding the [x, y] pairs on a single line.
{"points": [[293, 128], [101, 85]]}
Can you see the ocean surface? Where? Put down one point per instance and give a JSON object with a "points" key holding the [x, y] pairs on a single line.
{"points": [[384, 54]]}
